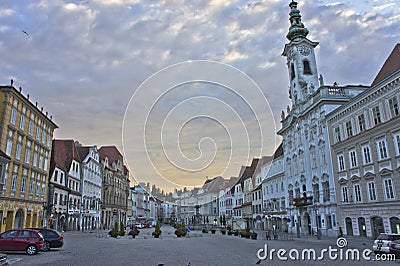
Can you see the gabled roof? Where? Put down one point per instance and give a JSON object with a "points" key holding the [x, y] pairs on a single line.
{"points": [[247, 173], [63, 152], [83, 151], [215, 185], [279, 151], [111, 152], [391, 64]]}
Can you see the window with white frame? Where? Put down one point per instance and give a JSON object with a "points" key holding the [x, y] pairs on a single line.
{"points": [[396, 140], [38, 133], [376, 115], [382, 149], [13, 118], [394, 106], [18, 151], [353, 158], [366, 154], [22, 120], [389, 188], [9, 147], [361, 123], [357, 193], [341, 164], [345, 194], [349, 129], [371, 191], [30, 127], [23, 185], [31, 186], [337, 134]]}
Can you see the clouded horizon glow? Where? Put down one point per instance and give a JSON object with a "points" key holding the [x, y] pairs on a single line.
{"points": [[83, 60]]}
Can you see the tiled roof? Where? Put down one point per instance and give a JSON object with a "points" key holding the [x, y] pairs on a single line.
{"points": [[63, 152], [247, 173], [391, 65], [215, 185], [111, 152], [83, 151], [279, 151]]}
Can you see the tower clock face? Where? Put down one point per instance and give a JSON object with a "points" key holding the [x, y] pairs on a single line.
{"points": [[304, 50], [292, 53]]}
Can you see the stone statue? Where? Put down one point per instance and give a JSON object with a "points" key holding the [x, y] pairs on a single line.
{"points": [[288, 109], [321, 80], [283, 115], [311, 89]]}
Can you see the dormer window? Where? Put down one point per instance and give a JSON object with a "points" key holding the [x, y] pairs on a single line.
{"points": [[306, 68]]}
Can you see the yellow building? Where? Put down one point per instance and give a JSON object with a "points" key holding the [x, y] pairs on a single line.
{"points": [[26, 134]]}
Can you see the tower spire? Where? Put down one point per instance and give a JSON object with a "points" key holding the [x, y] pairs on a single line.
{"points": [[297, 29]]}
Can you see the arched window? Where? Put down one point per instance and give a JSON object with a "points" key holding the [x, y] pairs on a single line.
{"points": [[306, 68]]}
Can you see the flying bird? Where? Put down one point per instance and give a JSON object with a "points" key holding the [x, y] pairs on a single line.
{"points": [[27, 34]]}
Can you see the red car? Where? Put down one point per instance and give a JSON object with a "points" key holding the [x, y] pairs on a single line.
{"points": [[27, 240]]}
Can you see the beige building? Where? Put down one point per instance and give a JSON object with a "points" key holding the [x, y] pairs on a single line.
{"points": [[116, 191], [365, 138], [26, 134]]}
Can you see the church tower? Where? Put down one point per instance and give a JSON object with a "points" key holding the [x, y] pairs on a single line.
{"points": [[302, 66]]}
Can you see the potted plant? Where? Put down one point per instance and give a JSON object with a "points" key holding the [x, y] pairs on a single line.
{"points": [[157, 230], [253, 235], [181, 231], [114, 233], [204, 230], [121, 229], [223, 231], [236, 232], [213, 231], [134, 232]]}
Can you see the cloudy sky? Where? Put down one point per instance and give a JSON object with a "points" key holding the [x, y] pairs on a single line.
{"points": [[83, 61]]}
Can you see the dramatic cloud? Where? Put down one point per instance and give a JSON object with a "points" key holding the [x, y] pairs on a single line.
{"points": [[83, 60]]}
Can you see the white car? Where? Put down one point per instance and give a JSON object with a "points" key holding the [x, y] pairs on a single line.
{"points": [[381, 244], [139, 225]]}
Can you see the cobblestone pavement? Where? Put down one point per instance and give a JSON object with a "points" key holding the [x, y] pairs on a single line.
{"points": [[199, 249]]}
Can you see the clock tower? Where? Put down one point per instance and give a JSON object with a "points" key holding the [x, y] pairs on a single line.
{"points": [[302, 66]]}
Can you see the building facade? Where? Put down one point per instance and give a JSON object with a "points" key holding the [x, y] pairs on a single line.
{"points": [[309, 174], [115, 195], [365, 139], [91, 186], [25, 136]]}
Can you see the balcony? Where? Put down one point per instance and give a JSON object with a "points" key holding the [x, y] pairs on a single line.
{"points": [[303, 201]]}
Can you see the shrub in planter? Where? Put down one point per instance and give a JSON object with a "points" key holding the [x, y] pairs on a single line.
{"points": [[236, 232], [213, 231], [230, 233], [114, 233], [181, 231], [223, 231], [157, 230], [121, 229], [253, 235], [134, 232], [204, 230]]}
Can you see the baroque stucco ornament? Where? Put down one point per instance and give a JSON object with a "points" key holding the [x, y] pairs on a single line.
{"points": [[304, 50]]}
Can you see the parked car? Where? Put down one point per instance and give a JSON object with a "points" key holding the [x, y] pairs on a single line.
{"points": [[139, 225], [30, 241], [394, 248], [52, 238], [381, 244]]}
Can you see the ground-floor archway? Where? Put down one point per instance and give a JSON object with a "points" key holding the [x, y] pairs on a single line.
{"points": [[19, 219], [349, 226], [395, 225], [362, 228], [377, 226]]}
